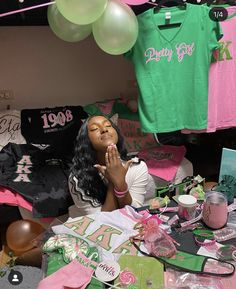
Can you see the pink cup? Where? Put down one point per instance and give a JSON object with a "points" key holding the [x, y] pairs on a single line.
{"points": [[215, 212]]}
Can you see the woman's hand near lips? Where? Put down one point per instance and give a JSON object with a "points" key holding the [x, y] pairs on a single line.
{"points": [[114, 170]]}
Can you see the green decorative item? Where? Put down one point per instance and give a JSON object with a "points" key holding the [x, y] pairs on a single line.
{"points": [[68, 245], [198, 192], [101, 108], [124, 111], [9, 265], [2, 273], [189, 185], [227, 186], [205, 234], [65, 29], [139, 272], [116, 31], [61, 249], [81, 12], [158, 202]]}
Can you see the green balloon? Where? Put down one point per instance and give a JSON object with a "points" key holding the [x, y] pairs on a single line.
{"points": [[116, 31], [81, 11], [64, 29]]}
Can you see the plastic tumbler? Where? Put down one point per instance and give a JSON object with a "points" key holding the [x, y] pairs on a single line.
{"points": [[215, 211]]}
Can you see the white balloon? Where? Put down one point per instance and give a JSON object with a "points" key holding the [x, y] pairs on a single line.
{"points": [[65, 29], [116, 31], [81, 12]]}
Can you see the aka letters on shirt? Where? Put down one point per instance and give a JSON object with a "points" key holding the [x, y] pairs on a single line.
{"points": [[110, 231], [37, 176], [222, 84]]}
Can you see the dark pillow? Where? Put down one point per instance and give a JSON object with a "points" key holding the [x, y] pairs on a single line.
{"points": [[57, 126]]}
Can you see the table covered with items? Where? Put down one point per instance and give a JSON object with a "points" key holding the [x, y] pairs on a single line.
{"points": [[185, 237], [186, 240]]}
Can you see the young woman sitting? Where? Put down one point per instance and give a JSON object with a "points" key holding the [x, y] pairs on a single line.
{"points": [[103, 177]]}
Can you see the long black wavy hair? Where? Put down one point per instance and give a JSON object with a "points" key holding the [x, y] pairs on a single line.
{"points": [[84, 160]]}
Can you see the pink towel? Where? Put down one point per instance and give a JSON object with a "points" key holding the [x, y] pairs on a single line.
{"points": [[13, 199], [163, 161], [74, 275]]}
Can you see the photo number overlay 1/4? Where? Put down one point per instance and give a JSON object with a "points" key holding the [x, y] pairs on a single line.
{"points": [[218, 14]]}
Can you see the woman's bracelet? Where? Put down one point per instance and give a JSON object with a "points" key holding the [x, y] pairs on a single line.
{"points": [[120, 194]]}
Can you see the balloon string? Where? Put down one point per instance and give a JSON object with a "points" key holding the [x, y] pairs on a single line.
{"points": [[152, 3], [41, 5], [26, 9]]}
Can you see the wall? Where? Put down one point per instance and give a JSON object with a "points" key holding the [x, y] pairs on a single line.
{"points": [[43, 70]]}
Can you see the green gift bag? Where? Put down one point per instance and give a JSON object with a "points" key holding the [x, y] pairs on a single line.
{"points": [[140, 272], [227, 186]]}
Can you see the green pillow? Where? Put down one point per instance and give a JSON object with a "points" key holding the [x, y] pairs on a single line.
{"points": [[100, 108], [124, 111]]}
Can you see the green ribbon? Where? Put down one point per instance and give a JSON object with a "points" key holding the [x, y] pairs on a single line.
{"points": [[205, 234]]}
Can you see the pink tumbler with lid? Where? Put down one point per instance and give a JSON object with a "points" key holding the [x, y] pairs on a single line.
{"points": [[215, 210]]}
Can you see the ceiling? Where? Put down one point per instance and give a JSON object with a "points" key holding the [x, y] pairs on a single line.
{"points": [[36, 16], [32, 17]]}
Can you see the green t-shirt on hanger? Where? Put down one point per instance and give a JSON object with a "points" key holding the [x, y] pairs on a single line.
{"points": [[171, 66]]}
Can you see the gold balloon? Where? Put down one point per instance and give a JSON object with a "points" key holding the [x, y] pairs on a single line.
{"points": [[20, 234]]}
